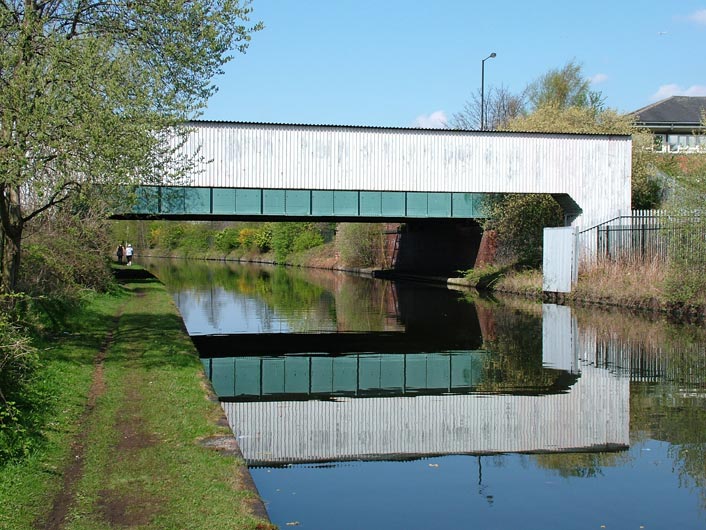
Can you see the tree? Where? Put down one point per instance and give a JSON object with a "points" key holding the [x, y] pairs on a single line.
{"points": [[561, 102], [500, 104], [92, 94], [563, 88]]}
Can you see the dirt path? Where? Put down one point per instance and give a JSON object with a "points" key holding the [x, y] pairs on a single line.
{"points": [[73, 472]]}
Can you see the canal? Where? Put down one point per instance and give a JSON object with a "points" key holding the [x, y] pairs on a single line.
{"points": [[372, 404]]}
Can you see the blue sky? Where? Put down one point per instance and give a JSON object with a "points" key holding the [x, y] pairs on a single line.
{"points": [[396, 63]]}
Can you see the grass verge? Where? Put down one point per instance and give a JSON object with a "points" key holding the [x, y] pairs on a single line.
{"points": [[143, 443]]}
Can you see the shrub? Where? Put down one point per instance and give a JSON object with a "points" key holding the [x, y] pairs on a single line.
{"points": [[307, 240], [227, 240], [19, 423], [360, 244]]}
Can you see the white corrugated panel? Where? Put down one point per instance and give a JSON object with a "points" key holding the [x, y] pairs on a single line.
{"points": [[593, 170], [559, 259], [595, 413]]}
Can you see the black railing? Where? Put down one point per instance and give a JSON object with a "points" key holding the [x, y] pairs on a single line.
{"points": [[646, 235]]}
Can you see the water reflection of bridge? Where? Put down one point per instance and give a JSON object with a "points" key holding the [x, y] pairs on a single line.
{"points": [[594, 415]]}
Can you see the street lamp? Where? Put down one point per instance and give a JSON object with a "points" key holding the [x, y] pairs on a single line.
{"points": [[482, 89]]}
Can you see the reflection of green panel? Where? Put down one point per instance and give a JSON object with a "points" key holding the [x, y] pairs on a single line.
{"points": [[417, 204], [345, 374], [416, 372], [393, 203], [248, 201], [392, 372], [322, 203], [439, 205], [273, 202], [296, 375], [197, 200], [369, 372], [173, 200], [371, 203], [298, 202], [223, 201], [247, 377], [147, 199], [272, 376], [345, 203], [322, 374], [222, 373], [437, 371], [461, 370]]}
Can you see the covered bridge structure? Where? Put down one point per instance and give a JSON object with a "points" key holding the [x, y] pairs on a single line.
{"points": [[278, 171]]}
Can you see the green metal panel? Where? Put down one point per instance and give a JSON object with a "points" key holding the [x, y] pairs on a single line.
{"points": [[147, 199], [439, 205], [438, 370], [345, 203], [369, 372], [322, 203], [393, 203], [197, 200], [416, 372], [322, 375], [272, 376], [371, 203], [222, 372], [392, 372], [172, 200], [296, 375], [248, 201], [316, 203], [273, 202], [298, 202], [345, 374], [463, 204], [417, 204], [247, 376], [223, 201], [461, 370]]}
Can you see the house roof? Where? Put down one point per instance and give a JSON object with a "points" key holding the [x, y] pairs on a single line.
{"points": [[676, 110]]}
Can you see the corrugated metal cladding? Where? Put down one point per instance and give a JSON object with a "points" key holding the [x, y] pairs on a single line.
{"points": [[595, 413], [593, 170]]}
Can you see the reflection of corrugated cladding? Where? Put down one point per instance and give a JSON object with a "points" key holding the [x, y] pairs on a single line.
{"points": [[594, 414], [590, 172]]}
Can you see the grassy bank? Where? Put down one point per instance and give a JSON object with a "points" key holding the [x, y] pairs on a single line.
{"points": [[131, 435], [637, 286]]}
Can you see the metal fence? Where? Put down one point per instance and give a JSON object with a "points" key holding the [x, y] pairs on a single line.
{"points": [[645, 235]]}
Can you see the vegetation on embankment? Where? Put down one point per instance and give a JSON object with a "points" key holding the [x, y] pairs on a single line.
{"points": [[326, 245], [122, 428], [638, 286]]}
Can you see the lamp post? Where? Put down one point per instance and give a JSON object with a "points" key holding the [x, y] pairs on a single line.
{"points": [[482, 90]]}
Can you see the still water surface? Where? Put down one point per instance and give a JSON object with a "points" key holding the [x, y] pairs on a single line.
{"points": [[365, 404]]}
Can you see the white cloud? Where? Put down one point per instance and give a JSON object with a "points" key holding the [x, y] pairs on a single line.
{"points": [[435, 120], [673, 89], [698, 16], [599, 78]]}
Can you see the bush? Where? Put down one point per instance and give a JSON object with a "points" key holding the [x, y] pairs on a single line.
{"points": [[307, 240], [519, 221], [360, 244], [293, 237], [226, 240], [19, 423]]}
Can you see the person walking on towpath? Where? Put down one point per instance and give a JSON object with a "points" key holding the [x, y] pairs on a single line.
{"points": [[119, 252], [128, 254]]}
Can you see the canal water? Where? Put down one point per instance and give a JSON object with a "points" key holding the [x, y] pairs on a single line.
{"points": [[371, 404]]}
